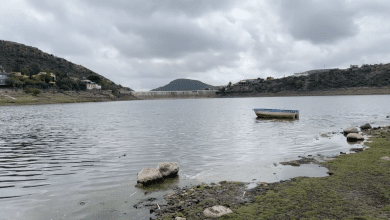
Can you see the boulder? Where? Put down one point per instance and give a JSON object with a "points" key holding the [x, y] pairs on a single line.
{"points": [[365, 126], [351, 130], [168, 169], [179, 218], [149, 175], [216, 211], [385, 158], [354, 137]]}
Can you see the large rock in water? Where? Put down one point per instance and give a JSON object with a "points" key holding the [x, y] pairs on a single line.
{"points": [[351, 130], [354, 137], [149, 175], [365, 126], [216, 211], [168, 169]]}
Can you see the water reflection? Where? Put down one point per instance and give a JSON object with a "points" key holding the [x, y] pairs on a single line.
{"points": [[56, 156]]}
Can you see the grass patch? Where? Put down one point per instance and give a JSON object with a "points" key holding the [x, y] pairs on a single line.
{"points": [[358, 189]]}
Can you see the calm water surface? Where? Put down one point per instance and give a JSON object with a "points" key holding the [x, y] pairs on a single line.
{"points": [[80, 161]]}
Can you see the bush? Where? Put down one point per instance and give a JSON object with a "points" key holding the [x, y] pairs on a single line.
{"points": [[33, 91]]}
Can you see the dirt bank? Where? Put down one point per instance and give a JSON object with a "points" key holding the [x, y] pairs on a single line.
{"points": [[19, 97]]}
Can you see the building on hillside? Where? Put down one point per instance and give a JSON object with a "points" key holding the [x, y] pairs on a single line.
{"points": [[3, 77], [270, 78], [248, 81], [91, 85], [301, 74], [16, 73], [353, 66]]}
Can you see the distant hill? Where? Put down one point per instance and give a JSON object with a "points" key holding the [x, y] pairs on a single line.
{"points": [[377, 75], [184, 84], [14, 56]]}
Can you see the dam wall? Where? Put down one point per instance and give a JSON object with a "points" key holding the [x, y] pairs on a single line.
{"points": [[175, 94]]}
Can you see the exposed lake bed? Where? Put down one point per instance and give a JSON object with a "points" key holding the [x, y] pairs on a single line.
{"points": [[77, 150]]}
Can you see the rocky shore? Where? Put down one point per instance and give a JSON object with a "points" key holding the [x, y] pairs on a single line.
{"points": [[356, 188]]}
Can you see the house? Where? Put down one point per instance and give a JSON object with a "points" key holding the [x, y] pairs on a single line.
{"points": [[16, 73], [3, 77], [301, 74], [248, 81], [354, 66], [91, 85]]}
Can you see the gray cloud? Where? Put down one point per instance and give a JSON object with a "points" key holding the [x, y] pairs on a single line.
{"points": [[146, 44], [140, 8], [318, 21]]}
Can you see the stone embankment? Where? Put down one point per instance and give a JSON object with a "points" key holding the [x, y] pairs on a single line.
{"points": [[193, 94]]}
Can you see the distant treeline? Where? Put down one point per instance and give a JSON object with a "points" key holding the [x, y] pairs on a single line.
{"points": [[366, 76]]}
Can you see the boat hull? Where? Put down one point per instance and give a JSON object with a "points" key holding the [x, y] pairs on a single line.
{"points": [[277, 113]]}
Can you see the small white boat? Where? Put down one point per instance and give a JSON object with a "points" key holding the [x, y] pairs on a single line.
{"points": [[276, 113]]}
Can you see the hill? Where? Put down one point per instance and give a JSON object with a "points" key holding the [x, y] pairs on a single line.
{"points": [[377, 75], [14, 56], [183, 85]]}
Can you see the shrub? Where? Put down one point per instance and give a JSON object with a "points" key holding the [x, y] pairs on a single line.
{"points": [[33, 91]]}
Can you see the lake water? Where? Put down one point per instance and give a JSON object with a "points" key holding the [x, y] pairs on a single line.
{"points": [[66, 161]]}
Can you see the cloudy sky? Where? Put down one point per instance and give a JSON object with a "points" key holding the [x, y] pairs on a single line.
{"points": [[145, 44]]}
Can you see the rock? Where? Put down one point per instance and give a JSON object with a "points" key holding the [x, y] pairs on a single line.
{"points": [[385, 158], [216, 211], [149, 175], [180, 218], [356, 149], [354, 137], [351, 130], [365, 126], [168, 169]]}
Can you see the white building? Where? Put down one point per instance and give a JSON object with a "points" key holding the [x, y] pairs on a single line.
{"points": [[92, 85], [3, 77]]}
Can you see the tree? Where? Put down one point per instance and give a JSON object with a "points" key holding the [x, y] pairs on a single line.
{"points": [[34, 69], [26, 70], [46, 77], [95, 78]]}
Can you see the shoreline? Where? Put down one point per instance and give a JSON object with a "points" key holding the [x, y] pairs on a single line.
{"points": [[12, 97], [357, 186], [334, 92]]}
